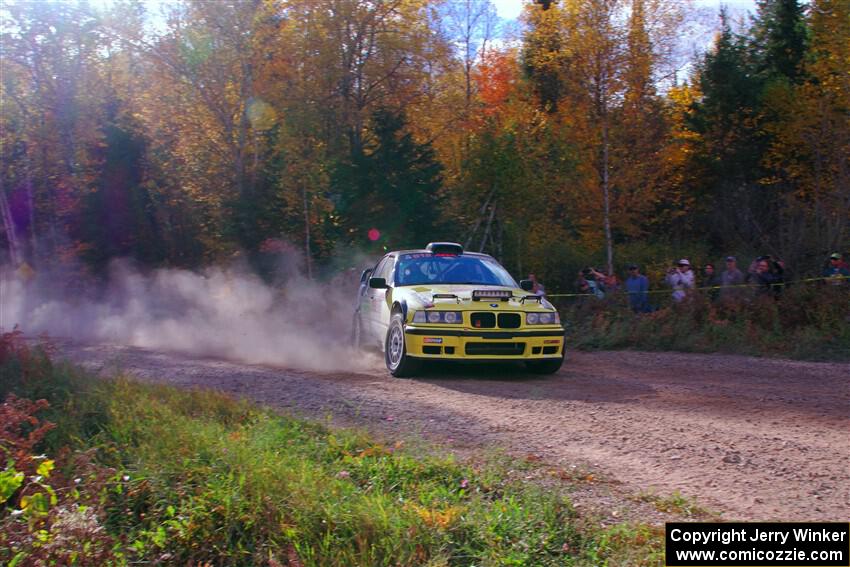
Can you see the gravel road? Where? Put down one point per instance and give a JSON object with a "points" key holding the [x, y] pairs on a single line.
{"points": [[751, 439]]}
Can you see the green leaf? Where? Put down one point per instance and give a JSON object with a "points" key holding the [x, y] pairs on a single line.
{"points": [[37, 504], [10, 481], [45, 468]]}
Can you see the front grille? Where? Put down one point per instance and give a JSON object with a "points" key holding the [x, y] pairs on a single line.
{"points": [[487, 320], [495, 349], [509, 320], [483, 320]]}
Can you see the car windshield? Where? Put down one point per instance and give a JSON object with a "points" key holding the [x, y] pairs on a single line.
{"points": [[426, 268]]}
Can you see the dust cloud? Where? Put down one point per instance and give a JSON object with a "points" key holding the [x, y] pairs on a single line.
{"points": [[221, 312]]}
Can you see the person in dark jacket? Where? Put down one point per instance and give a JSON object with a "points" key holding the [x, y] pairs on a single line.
{"points": [[710, 279], [768, 277]]}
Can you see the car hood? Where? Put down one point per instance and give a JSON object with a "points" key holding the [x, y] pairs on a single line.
{"points": [[426, 293]]}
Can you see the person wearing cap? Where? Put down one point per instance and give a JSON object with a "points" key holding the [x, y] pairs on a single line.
{"points": [[681, 279], [836, 270], [637, 286], [731, 279]]}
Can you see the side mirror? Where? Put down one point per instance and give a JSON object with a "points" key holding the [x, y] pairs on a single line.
{"points": [[527, 285], [365, 274], [378, 283]]}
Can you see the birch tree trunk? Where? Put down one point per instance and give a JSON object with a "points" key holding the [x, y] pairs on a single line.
{"points": [[609, 244], [9, 227], [308, 256]]}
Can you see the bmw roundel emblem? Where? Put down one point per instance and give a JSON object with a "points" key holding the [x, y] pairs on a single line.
{"points": [[494, 305]]}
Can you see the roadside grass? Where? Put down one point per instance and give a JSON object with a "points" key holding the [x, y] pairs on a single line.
{"points": [[806, 323], [113, 472], [675, 503]]}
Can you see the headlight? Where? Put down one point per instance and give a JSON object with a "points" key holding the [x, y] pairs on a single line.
{"points": [[450, 317], [545, 318]]}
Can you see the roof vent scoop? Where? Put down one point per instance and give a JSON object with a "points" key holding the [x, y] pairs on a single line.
{"points": [[445, 248]]}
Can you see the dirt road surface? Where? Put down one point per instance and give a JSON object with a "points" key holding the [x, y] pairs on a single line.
{"points": [[751, 439]]}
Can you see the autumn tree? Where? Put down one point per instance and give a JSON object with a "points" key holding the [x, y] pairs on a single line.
{"points": [[810, 142], [393, 186], [730, 145], [52, 106], [596, 63]]}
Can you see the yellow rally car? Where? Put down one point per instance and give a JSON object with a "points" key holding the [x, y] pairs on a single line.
{"points": [[444, 303]]}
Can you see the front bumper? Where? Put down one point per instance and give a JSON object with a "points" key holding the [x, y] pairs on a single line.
{"points": [[467, 344]]}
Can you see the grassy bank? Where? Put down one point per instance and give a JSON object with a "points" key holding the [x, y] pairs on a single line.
{"points": [[113, 471], [806, 322]]}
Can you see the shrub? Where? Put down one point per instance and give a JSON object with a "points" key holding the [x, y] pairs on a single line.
{"points": [[804, 322]]}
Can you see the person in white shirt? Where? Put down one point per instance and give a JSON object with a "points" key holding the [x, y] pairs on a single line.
{"points": [[681, 279]]}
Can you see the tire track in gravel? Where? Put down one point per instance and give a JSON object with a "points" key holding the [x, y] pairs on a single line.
{"points": [[750, 438]]}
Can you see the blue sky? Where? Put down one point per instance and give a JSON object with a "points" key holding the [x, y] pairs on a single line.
{"points": [[510, 9]]}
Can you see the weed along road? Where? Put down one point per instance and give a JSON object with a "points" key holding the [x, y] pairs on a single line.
{"points": [[748, 438]]}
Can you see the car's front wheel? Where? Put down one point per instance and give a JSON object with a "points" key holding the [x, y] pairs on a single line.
{"points": [[398, 362]]}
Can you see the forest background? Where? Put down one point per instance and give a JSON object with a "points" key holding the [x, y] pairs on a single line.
{"points": [[261, 126]]}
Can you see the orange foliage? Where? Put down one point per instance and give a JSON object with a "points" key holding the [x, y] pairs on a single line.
{"points": [[496, 79]]}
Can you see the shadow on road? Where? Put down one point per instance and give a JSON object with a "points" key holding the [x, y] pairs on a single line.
{"points": [[513, 381]]}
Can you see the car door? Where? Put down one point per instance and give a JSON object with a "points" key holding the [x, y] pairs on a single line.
{"points": [[378, 309], [370, 307], [383, 313]]}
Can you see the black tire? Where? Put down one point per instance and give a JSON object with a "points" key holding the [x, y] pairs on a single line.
{"points": [[545, 366], [395, 350], [357, 332]]}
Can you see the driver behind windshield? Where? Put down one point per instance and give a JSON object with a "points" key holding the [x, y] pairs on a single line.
{"points": [[418, 269]]}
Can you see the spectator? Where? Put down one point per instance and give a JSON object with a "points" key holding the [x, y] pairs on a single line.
{"points": [[836, 270], [710, 280], [581, 282], [537, 287], [731, 280], [774, 265], [590, 281], [768, 276], [612, 284], [681, 279], [637, 286]]}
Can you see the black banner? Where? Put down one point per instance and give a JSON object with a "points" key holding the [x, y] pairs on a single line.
{"points": [[757, 544]]}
